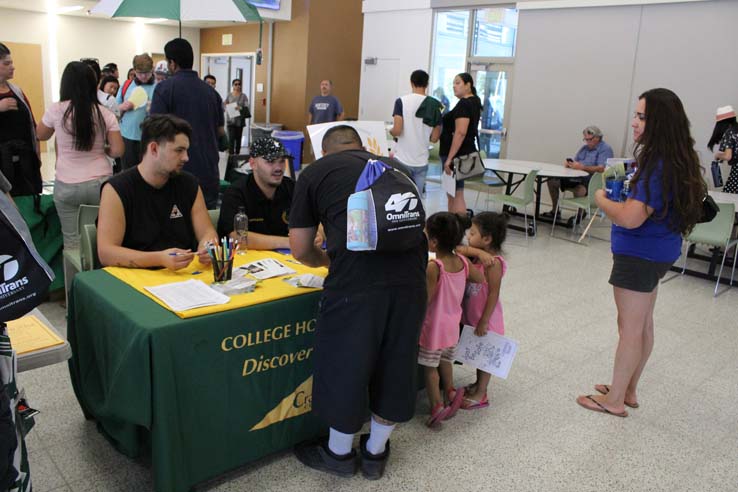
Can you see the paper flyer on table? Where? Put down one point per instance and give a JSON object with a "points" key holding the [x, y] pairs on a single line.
{"points": [[266, 268], [190, 294], [448, 183], [491, 353]]}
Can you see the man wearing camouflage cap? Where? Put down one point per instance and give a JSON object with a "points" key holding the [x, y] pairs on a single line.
{"points": [[265, 195]]}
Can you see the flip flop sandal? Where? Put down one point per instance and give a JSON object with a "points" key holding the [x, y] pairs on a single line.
{"points": [[599, 408], [456, 402], [605, 389], [470, 404], [438, 413]]}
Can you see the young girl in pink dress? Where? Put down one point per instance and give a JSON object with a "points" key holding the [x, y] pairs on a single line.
{"points": [[482, 306], [447, 276]]}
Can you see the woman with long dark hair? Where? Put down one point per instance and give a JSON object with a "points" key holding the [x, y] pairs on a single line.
{"points": [[85, 132], [664, 204], [459, 133], [725, 134]]}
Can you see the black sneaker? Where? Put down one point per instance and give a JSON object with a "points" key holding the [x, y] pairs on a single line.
{"points": [[372, 465], [316, 455]]}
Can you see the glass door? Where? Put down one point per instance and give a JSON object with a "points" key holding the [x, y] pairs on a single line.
{"points": [[492, 82]]}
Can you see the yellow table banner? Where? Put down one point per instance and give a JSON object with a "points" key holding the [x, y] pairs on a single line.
{"points": [[266, 290]]}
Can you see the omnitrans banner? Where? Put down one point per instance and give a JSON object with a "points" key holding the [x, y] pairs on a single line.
{"points": [[373, 135]]}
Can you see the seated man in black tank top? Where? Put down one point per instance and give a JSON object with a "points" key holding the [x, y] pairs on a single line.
{"points": [[154, 215]]}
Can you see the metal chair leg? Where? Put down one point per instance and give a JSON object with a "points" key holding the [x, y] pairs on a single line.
{"points": [[720, 273], [686, 253], [556, 214]]}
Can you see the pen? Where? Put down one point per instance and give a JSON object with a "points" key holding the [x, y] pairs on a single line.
{"points": [[178, 254]]}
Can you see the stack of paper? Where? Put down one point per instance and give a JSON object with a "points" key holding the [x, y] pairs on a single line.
{"points": [[266, 268], [29, 334], [190, 294]]}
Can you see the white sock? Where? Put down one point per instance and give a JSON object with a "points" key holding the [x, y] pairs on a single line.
{"points": [[340, 443], [378, 437]]}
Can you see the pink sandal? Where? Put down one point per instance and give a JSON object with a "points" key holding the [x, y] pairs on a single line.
{"points": [[438, 413], [455, 402], [470, 404]]}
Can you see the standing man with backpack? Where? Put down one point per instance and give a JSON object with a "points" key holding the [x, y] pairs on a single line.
{"points": [[417, 122], [370, 315]]}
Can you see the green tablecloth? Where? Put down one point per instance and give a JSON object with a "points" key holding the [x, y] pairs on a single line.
{"points": [[46, 232], [208, 394]]}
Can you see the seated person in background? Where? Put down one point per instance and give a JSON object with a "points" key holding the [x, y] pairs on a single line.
{"points": [[591, 158], [265, 195], [154, 215]]}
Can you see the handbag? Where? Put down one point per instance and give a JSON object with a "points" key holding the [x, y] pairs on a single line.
{"points": [[709, 209], [717, 175], [467, 166]]}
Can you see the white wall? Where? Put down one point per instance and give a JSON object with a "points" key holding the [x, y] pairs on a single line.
{"points": [[401, 42], [78, 37], [572, 69], [588, 65]]}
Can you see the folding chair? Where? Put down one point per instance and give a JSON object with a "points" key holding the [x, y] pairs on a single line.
{"points": [[521, 202]]}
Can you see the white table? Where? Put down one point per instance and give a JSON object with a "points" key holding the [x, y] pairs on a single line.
{"points": [[722, 197], [545, 170]]}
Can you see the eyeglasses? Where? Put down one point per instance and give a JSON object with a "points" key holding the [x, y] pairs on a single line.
{"points": [[143, 73], [588, 139], [237, 83]]}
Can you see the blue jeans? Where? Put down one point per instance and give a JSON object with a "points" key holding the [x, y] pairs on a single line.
{"points": [[418, 174]]}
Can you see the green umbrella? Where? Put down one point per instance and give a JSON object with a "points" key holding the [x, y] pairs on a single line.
{"points": [[181, 10]]}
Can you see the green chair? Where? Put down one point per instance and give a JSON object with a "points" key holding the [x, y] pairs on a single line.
{"points": [[716, 233], [614, 171], [521, 202], [586, 203], [214, 216], [88, 248], [72, 262]]}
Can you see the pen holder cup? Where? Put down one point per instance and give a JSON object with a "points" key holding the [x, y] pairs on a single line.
{"points": [[222, 271]]}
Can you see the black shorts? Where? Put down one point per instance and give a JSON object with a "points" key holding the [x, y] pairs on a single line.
{"points": [[571, 183], [366, 351], [633, 273]]}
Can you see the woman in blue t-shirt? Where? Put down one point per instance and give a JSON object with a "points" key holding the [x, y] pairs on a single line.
{"points": [[664, 203]]}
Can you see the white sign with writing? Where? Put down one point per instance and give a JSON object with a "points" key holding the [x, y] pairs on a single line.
{"points": [[373, 135], [491, 353]]}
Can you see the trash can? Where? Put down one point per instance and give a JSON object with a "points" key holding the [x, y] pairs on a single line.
{"points": [[260, 130], [292, 142]]}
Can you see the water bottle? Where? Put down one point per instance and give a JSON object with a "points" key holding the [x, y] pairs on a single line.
{"points": [[241, 228], [357, 224]]}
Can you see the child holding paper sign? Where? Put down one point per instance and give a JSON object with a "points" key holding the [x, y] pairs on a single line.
{"points": [[482, 307], [447, 276]]}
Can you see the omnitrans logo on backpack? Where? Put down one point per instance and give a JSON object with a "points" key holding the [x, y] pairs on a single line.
{"points": [[399, 202], [9, 268]]}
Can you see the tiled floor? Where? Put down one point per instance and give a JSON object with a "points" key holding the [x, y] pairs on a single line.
{"points": [[559, 307]]}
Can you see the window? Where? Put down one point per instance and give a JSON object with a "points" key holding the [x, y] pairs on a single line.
{"points": [[492, 36], [494, 32], [449, 54]]}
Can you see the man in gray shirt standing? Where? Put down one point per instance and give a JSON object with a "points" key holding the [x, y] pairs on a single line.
{"points": [[325, 107]]}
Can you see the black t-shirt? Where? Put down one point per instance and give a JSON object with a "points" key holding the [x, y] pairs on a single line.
{"points": [[15, 125], [266, 216], [157, 218], [321, 194], [467, 107]]}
